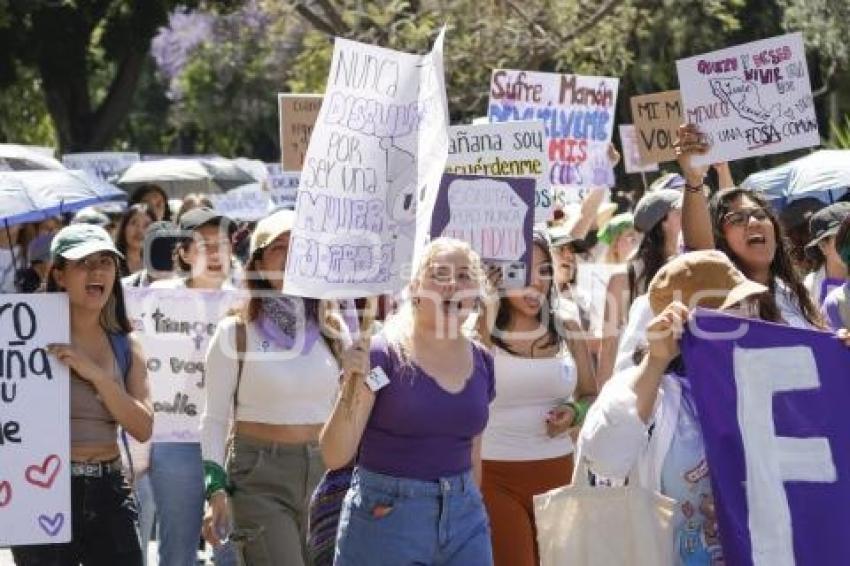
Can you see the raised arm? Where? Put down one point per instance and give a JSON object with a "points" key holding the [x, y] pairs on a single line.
{"points": [[341, 435], [696, 218]]}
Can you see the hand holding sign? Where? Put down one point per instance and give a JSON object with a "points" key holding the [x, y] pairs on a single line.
{"points": [[690, 142], [71, 357]]}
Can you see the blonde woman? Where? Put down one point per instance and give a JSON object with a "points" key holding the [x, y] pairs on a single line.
{"points": [[417, 422]]}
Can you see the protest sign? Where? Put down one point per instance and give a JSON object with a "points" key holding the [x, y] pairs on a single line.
{"points": [[298, 113], [35, 478], [592, 283], [282, 186], [577, 112], [772, 404], [373, 165], [657, 118], [106, 165], [174, 327], [513, 149], [493, 215], [632, 159], [249, 203], [751, 99]]}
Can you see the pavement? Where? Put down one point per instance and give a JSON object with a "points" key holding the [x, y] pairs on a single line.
{"points": [[6, 557]]}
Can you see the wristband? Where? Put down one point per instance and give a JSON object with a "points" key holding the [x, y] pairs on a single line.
{"points": [[694, 189], [215, 479], [581, 407]]}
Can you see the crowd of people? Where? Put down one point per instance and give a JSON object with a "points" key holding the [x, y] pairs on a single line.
{"points": [[415, 429]]}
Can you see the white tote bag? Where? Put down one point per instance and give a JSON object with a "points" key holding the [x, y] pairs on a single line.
{"points": [[581, 525]]}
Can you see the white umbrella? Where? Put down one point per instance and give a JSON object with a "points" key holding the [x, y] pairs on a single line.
{"points": [[32, 196], [179, 177], [824, 175], [14, 157]]}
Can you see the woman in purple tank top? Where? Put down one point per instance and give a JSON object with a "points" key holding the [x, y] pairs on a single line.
{"points": [[416, 418]]}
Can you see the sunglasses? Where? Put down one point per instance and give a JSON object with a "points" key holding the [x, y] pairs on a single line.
{"points": [[93, 262], [742, 217]]}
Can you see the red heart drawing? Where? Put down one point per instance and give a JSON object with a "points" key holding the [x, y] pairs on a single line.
{"points": [[5, 493], [43, 475]]}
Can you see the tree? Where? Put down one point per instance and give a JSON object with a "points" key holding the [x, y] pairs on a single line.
{"points": [[88, 56]]}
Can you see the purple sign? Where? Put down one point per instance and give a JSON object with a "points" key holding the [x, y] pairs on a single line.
{"points": [[495, 215], [772, 401]]}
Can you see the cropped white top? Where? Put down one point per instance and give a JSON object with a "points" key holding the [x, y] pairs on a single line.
{"points": [[526, 390], [278, 386]]}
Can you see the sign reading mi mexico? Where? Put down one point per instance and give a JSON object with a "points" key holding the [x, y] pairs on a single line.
{"points": [[577, 112], [752, 99]]}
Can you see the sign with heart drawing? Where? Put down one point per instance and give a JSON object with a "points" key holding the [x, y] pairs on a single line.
{"points": [[35, 482]]}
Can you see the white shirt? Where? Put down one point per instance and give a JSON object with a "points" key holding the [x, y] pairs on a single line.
{"points": [[277, 387], [8, 268], [526, 390], [180, 283]]}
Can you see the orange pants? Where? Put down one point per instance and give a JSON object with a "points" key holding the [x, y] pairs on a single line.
{"points": [[508, 488]]}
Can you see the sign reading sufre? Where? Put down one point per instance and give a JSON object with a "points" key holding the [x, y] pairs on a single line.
{"points": [[577, 112], [35, 478], [772, 405]]}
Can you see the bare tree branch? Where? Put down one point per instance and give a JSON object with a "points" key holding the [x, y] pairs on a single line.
{"points": [[603, 11], [333, 16], [315, 21], [535, 26]]}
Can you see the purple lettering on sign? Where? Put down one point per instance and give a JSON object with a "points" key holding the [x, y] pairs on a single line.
{"points": [[51, 525]]}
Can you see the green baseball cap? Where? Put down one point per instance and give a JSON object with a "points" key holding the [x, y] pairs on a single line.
{"points": [[79, 240]]}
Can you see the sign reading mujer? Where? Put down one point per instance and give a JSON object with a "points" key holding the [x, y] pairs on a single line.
{"points": [[772, 402]]}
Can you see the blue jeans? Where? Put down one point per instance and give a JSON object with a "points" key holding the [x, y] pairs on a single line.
{"points": [[147, 511], [177, 479], [394, 521]]}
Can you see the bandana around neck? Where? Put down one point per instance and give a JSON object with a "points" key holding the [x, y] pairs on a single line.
{"points": [[283, 321]]}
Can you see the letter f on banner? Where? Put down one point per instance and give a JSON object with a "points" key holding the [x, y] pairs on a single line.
{"points": [[772, 460]]}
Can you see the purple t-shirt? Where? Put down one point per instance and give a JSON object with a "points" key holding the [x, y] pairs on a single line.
{"points": [[419, 430], [830, 307]]}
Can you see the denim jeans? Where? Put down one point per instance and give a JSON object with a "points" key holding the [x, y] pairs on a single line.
{"points": [[177, 478], [147, 510], [392, 521], [103, 527]]}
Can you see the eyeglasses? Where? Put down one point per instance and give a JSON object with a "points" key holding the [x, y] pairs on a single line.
{"points": [[742, 216], [93, 262]]}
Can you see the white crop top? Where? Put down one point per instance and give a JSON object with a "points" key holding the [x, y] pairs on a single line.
{"points": [[276, 388], [526, 390]]}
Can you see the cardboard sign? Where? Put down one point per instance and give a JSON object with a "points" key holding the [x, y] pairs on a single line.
{"points": [[174, 327], [510, 149], [35, 478], [632, 159], [752, 99], [772, 405], [374, 163], [298, 114], [657, 118], [495, 215], [577, 112]]}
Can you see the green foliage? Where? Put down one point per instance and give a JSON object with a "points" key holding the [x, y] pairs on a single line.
{"points": [[840, 134]]}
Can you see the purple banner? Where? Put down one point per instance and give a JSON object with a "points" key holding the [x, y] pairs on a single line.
{"points": [[773, 406]]}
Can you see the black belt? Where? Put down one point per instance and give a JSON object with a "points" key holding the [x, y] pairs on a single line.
{"points": [[95, 469]]}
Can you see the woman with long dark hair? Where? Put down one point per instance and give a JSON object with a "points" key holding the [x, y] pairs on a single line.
{"points": [[130, 237], [108, 389], [740, 223], [272, 370], [544, 386], [658, 217]]}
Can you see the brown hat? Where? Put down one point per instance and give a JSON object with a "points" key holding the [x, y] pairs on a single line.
{"points": [[705, 278]]}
